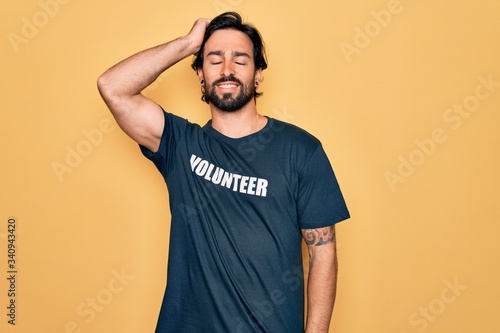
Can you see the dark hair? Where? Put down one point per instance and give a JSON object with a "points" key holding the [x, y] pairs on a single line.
{"points": [[232, 20]]}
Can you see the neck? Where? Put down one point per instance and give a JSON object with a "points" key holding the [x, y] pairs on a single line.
{"points": [[238, 124]]}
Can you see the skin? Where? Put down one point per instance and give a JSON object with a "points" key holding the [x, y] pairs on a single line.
{"points": [[227, 53], [322, 281]]}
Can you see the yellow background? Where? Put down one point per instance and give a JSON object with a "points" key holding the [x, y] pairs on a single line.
{"points": [[415, 229]]}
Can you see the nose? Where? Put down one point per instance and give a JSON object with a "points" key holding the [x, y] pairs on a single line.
{"points": [[227, 69]]}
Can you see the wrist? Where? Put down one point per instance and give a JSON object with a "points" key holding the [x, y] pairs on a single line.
{"points": [[190, 44]]}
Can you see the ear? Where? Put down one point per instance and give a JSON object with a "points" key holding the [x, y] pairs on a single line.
{"points": [[201, 76], [258, 75]]}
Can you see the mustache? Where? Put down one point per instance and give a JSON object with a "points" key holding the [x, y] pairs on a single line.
{"points": [[229, 78]]}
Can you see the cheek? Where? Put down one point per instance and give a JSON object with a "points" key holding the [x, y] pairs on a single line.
{"points": [[210, 73]]}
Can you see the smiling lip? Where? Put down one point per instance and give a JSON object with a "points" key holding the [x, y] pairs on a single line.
{"points": [[227, 85]]}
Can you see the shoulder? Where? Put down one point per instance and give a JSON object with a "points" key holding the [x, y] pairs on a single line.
{"points": [[294, 134], [294, 144], [178, 126]]}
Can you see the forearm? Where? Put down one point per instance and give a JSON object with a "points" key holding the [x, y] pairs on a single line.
{"points": [[130, 76], [321, 289]]}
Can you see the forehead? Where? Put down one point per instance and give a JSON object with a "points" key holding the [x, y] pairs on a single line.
{"points": [[229, 41]]}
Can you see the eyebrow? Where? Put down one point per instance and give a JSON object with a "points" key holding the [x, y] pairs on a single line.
{"points": [[240, 54], [234, 54]]}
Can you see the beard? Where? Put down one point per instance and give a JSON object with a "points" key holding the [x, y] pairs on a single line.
{"points": [[227, 102]]}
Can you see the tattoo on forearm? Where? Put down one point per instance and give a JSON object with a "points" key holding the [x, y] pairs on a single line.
{"points": [[319, 236]]}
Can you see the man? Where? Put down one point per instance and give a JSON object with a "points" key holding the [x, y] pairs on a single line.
{"points": [[244, 190]]}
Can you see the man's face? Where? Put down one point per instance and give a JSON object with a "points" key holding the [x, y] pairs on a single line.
{"points": [[229, 70]]}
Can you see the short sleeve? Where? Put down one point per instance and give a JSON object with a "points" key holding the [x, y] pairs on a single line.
{"points": [[173, 130], [320, 200]]}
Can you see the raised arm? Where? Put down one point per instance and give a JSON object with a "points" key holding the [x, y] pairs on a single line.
{"points": [[121, 86], [322, 281]]}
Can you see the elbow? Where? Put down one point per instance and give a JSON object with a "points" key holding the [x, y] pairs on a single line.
{"points": [[110, 95], [109, 92], [104, 85]]}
